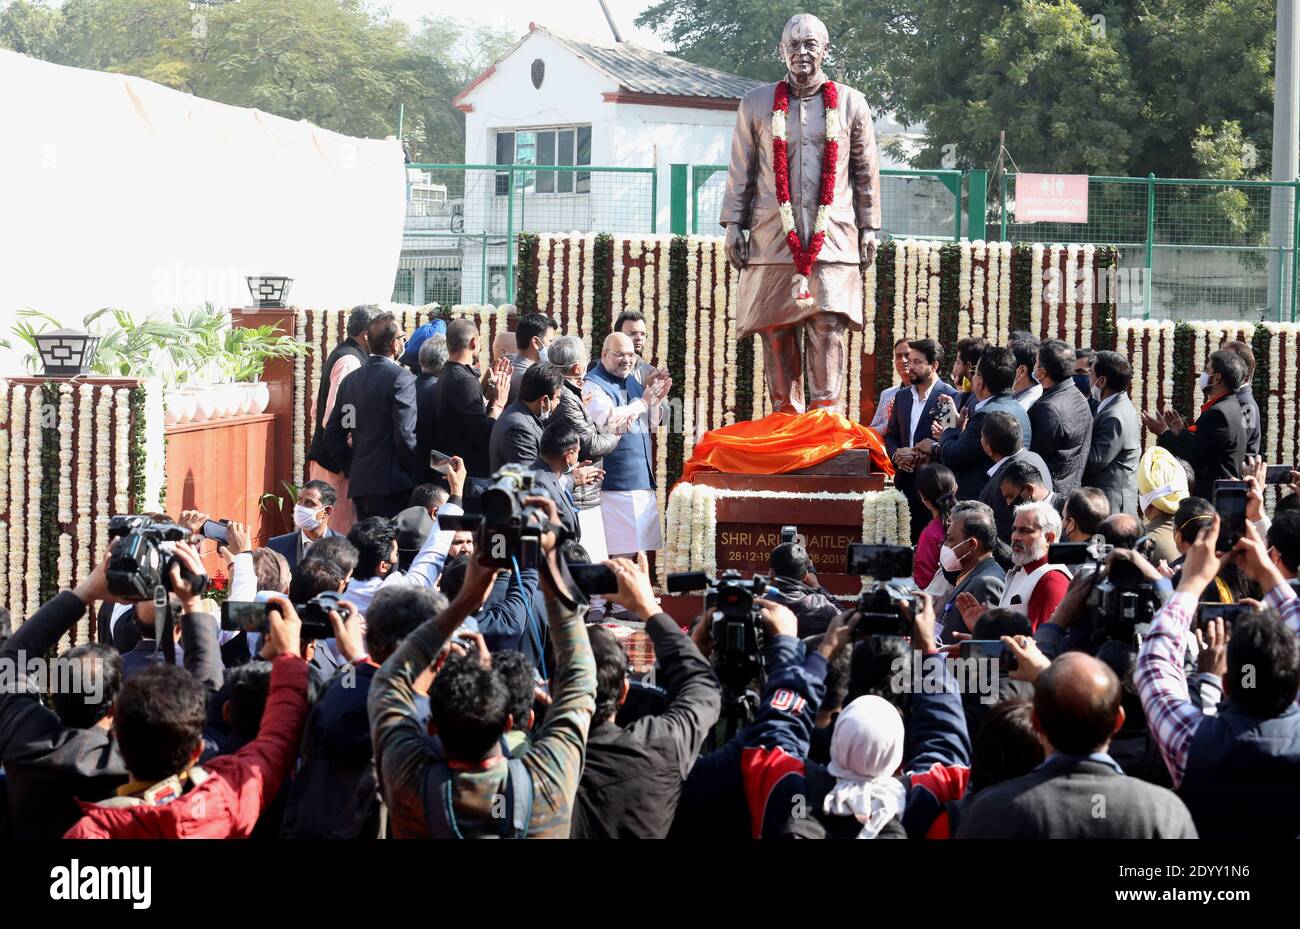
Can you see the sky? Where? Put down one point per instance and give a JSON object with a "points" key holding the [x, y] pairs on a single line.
{"points": [[578, 18]]}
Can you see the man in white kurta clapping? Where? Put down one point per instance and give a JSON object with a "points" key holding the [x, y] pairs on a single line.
{"points": [[619, 403]]}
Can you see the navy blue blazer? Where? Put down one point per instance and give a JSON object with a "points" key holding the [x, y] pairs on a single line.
{"points": [[287, 545], [900, 418]]}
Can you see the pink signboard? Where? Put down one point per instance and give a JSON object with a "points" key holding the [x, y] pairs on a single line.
{"points": [[1051, 198]]}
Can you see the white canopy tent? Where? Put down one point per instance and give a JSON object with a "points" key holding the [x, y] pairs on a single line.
{"points": [[116, 191]]}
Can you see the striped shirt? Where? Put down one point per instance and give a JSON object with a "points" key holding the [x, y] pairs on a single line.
{"points": [[554, 757], [1172, 718]]}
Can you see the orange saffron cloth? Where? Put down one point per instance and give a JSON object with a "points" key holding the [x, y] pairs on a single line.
{"points": [[782, 442]]}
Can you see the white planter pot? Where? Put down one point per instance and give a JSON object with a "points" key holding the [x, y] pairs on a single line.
{"points": [[245, 399], [205, 404], [229, 401], [173, 407], [261, 397]]}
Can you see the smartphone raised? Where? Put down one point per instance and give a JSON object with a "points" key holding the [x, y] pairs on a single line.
{"points": [[594, 579], [439, 461], [1279, 474], [219, 531], [1230, 501], [882, 562], [990, 649], [244, 616], [1228, 612]]}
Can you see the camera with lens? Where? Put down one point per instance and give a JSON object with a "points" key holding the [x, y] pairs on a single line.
{"points": [[739, 651], [1122, 598], [255, 616], [508, 529], [883, 598], [142, 559]]}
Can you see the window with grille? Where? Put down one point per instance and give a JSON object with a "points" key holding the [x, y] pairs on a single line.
{"points": [[562, 145]]}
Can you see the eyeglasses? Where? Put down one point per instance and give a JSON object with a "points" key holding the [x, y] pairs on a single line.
{"points": [[624, 354]]}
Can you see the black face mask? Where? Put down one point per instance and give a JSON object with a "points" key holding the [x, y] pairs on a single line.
{"points": [[1081, 382]]}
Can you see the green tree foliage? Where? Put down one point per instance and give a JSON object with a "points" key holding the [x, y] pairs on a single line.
{"points": [[1093, 86], [340, 64]]}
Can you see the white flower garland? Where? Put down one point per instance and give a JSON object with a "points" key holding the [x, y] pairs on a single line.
{"points": [[1167, 356], [318, 355], [761, 399], [632, 295], [933, 295], [900, 301], [1274, 403], [964, 311], [13, 504], [588, 290], [1199, 341], [85, 486], [1004, 293], [122, 451], [103, 475], [1036, 290], [573, 301], [718, 320], [65, 456], [729, 368], [1069, 296], [299, 401], [980, 310], [35, 491], [853, 378], [1087, 300], [1052, 298], [155, 446], [64, 568], [869, 305], [691, 389], [543, 273]]}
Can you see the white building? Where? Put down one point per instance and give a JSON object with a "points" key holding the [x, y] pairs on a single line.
{"points": [[559, 102]]}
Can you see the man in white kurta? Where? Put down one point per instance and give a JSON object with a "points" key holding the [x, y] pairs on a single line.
{"points": [[619, 403]]}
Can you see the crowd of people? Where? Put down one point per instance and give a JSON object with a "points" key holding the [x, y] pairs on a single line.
{"points": [[409, 683]]}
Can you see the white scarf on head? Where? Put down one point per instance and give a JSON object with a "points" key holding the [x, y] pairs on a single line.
{"points": [[866, 750]]}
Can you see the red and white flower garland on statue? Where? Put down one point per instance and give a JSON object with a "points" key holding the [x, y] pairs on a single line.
{"points": [[804, 258]]}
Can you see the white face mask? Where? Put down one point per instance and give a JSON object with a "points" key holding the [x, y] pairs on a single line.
{"points": [[545, 412], [541, 355], [1203, 381], [304, 517], [1096, 393], [949, 558]]}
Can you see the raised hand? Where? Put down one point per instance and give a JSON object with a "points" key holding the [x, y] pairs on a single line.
{"points": [[1154, 422]]}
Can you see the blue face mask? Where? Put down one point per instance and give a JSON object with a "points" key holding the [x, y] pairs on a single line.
{"points": [[1081, 381]]}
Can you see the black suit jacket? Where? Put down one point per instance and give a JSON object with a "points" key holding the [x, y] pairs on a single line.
{"points": [[1216, 449], [287, 545], [552, 483], [462, 425], [426, 423], [1062, 433], [1061, 801], [378, 404], [962, 452]]}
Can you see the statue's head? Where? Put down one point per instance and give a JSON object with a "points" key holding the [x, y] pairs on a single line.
{"points": [[804, 43]]}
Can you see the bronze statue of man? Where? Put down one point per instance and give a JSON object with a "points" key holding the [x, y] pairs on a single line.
{"points": [[801, 266]]}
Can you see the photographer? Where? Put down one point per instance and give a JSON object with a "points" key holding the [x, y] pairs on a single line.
{"points": [[158, 722], [471, 713], [633, 775], [335, 794], [797, 588], [944, 770], [1238, 770], [53, 757], [511, 617], [729, 789], [375, 540]]}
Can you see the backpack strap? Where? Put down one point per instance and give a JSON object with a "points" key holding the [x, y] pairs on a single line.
{"points": [[440, 817]]}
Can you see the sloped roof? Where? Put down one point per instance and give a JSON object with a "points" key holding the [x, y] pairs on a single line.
{"points": [[642, 71]]}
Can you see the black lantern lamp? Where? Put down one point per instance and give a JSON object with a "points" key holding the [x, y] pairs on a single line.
{"points": [[269, 290], [67, 352]]}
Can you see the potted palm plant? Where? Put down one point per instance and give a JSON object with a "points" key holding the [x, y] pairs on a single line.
{"points": [[249, 348]]}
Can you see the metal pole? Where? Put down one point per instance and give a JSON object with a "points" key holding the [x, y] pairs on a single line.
{"points": [[1151, 240], [510, 239], [401, 116], [1286, 130], [483, 262], [654, 201], [1002, 182], [1295, 243]]}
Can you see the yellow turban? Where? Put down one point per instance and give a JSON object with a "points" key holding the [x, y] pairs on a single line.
{"points": [[1161, 480]]}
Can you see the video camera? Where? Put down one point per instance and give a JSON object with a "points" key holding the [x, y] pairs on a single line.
{"points": [[1122, 598], [507, 529], [882, 599], [739, 649], [142, 560]]}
